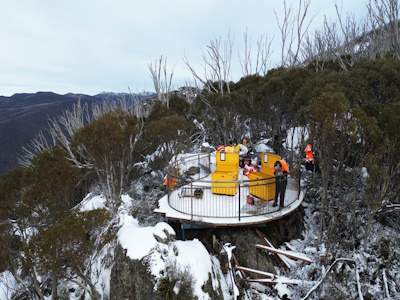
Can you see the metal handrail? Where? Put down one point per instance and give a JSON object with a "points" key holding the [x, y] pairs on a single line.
{"points": [[198, 197]]}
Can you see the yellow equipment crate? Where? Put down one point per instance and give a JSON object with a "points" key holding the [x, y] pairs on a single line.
{"points": [[224, 178], [264, 187]]}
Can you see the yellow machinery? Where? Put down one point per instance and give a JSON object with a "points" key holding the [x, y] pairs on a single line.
{"points": [[224, 178], [264, 187]]}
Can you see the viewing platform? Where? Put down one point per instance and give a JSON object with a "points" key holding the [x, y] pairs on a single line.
{"points": [[194, 198]]}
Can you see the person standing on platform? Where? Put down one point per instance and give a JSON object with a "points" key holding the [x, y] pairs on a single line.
{"points": [[281, 171]]}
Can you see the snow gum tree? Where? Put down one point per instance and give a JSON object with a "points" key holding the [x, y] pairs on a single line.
{"points": [[71, 240], [106, 148], [34, 201], [327, 116], [167, 129], [15, 213]]}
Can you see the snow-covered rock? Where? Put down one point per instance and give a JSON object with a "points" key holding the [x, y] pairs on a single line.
{"points": [[164, 233]]}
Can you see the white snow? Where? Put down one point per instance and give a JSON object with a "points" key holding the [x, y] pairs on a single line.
{"points": [[283, 290], [294, 137], [261, 146], [91, 202], [7, 285], [228, 249], [140, 243], [163, 227]]}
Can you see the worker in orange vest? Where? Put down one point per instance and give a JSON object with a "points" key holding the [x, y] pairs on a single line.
{"points": [[172, 185], [281, 171], [309, 158]]}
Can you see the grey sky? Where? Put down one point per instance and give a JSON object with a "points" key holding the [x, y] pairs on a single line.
{"points": [[90, 46]]}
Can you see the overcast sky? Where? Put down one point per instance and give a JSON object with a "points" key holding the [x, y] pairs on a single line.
{"points": [[91, 46]]}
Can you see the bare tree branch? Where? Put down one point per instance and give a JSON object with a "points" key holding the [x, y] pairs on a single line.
{"points": [[162, 80], [216, 66], [262, 56]]}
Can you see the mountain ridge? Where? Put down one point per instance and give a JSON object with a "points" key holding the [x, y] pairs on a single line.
{"points": [[23, 115]]}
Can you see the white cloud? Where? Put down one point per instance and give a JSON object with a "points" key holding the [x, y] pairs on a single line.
{"points": [[91, 46]]}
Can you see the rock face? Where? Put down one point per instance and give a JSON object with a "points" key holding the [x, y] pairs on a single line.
{"points": [[244, 238], [130, 279]]}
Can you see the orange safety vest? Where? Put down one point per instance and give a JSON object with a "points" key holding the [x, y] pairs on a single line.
{"points": [[173, 183], [309, 154], [284, 165]]}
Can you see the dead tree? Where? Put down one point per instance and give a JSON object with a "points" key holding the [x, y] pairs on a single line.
{"points": [[162, 80], [347, 52], [216, 66], [316, 49], [293, 30], [301, 29], [263, 53], [63, 128], [286, 30], [383, 20]]}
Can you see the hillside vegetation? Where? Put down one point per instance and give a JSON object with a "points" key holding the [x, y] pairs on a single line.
{"points": [[351, 118]]}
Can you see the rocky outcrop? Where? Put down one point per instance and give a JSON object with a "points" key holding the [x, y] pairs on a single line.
{"points": [[130, 279], [164, 233]]}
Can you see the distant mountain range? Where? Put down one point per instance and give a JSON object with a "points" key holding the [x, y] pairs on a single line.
{"points": [[23, 115]]}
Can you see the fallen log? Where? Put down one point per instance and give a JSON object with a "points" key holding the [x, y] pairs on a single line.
{"points": [[291, 254], [254, 271], [237, 265], [272, 282], [280, 259]]}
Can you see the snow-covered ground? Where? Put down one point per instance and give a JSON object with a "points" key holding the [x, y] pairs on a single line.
{"points": [[192, 256]]}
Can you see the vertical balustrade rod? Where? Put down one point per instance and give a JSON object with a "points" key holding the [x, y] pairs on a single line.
{"points": [[191, 200], [239, 201]]}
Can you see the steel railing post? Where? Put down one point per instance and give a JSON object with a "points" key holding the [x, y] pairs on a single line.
{"points": [[191, 200], [239, 201]]}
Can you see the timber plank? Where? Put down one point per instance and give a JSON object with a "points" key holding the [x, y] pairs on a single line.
{"points": [[237, 265], [286, 253], [271, 282], [281, 260], [254, 271]]}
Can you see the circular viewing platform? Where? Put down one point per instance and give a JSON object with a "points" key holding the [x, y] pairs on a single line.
{"points": [[195, 198]]}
